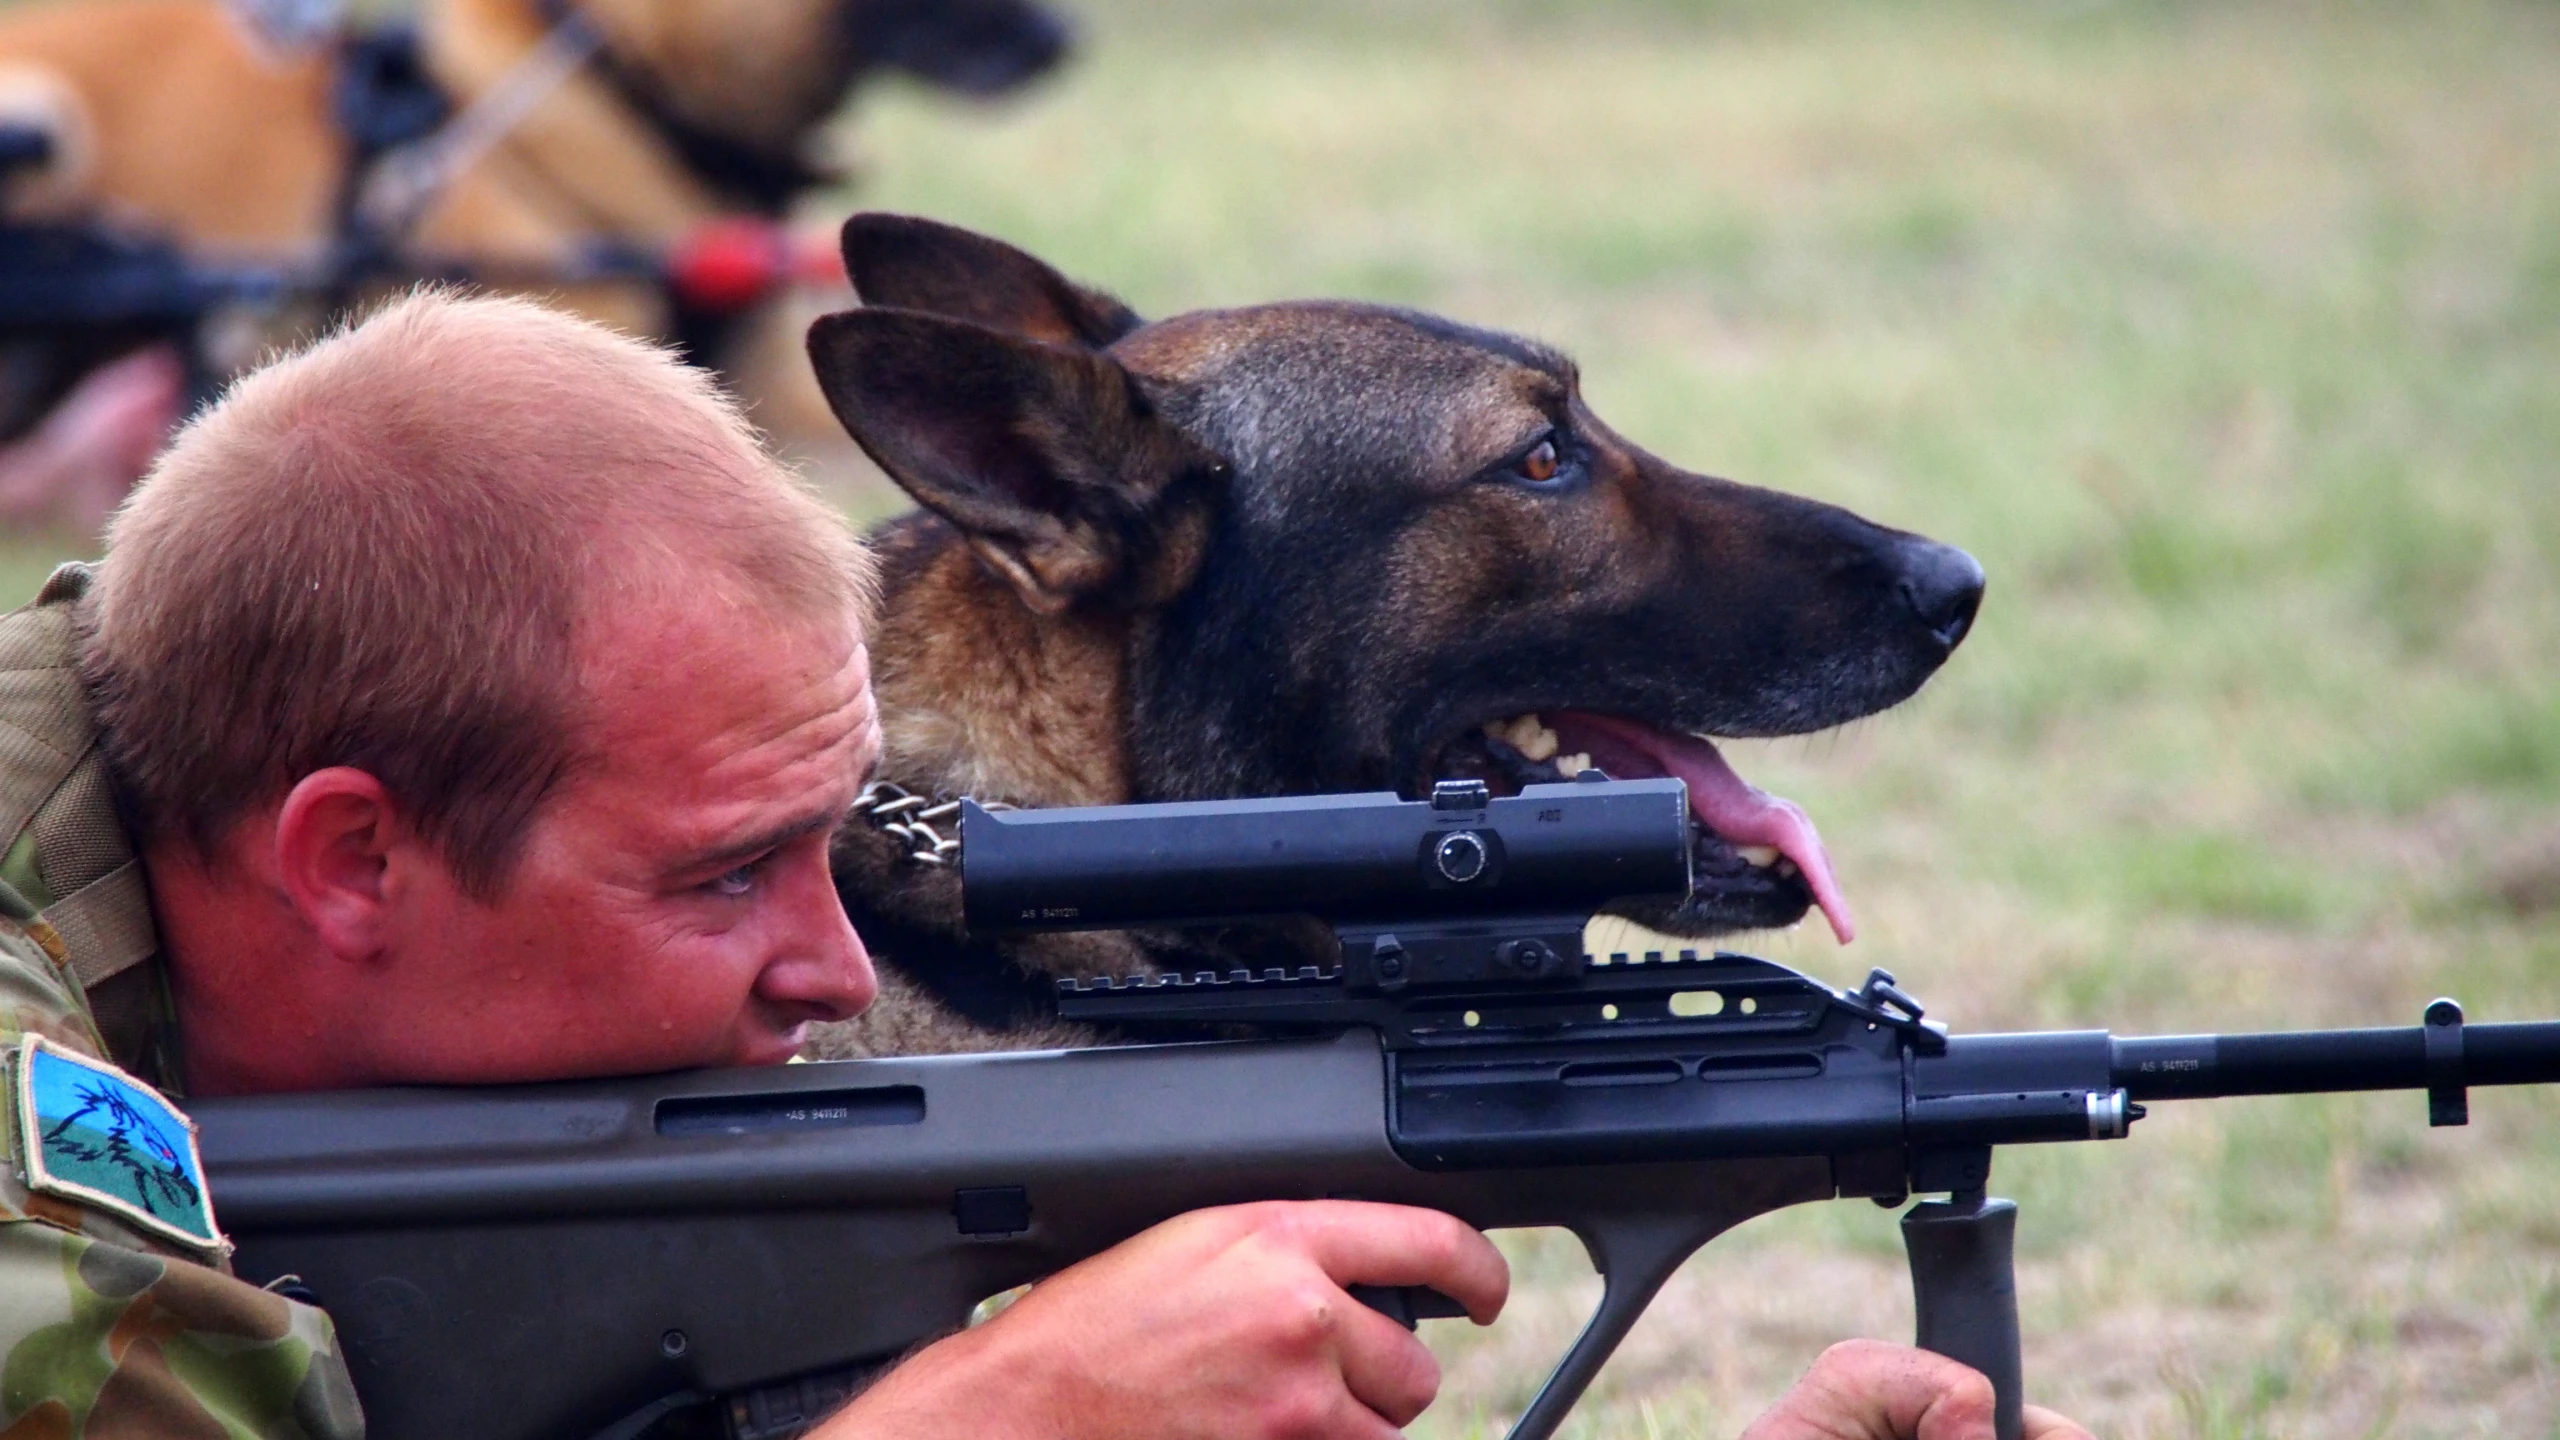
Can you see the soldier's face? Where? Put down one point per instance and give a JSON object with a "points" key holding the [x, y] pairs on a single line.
{"points": [[672, 906]]}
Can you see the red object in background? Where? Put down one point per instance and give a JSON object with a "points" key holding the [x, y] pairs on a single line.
{"points": [[725, 265], [728, 265], [816, 259]]}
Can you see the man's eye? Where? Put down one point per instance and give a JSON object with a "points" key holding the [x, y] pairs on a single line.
{"points": [[735, 882]]}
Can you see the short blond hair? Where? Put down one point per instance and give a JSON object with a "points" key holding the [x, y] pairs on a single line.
{"points": [[380, 552]]}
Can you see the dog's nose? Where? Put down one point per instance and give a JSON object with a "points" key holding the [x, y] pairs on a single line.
{"points": [[1943, 586]]}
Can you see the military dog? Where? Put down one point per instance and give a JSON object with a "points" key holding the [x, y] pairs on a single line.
{"points": [[1300, 548]]}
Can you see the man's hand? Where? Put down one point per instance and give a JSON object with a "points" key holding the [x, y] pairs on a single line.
{"points": [[1869, 1390], [1228, 1324]]}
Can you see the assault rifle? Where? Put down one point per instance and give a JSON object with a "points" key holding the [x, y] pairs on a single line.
{"points": [[729, 1253]]}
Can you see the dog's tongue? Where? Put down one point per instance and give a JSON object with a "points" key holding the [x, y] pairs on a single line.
{"points": [[1723, 801]]}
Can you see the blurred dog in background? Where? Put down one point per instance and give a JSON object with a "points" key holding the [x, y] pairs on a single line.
{"points": [[167, 161]]}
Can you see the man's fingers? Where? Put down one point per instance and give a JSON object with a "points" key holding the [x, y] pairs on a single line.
{"points": [[1383, 1365], [2043, 1424], [1869, 1390], [1365, 1244]]}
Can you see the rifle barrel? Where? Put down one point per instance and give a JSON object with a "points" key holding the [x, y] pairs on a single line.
{"points": [[2204, 1067]]}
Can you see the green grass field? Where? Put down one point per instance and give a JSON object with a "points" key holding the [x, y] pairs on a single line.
{"points": [[2228, 337]]}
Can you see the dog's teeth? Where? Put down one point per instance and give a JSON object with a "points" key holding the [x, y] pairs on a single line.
{"points": [[1571, 765], [1762, 856], [1533, 739], [1526, 734]]}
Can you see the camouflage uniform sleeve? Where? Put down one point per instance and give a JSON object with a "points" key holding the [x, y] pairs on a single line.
{"points": [[104, 1333], [109, 1343]]}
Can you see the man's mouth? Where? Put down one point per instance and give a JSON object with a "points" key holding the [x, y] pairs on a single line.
{"points": [[1758, 860]]}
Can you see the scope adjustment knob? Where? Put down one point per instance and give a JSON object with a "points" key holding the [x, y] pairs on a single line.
{"points": [[1460, 795], [1460, 856]]}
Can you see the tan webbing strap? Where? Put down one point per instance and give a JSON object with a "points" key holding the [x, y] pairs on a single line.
{"points": [[53, 784], [44, 722], [106, 924]]}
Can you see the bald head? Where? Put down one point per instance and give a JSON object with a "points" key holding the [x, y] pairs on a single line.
{"points": [[388, 551]]}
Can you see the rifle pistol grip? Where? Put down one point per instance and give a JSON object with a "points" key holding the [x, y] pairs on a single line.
{"points": [[1964, 1284]]}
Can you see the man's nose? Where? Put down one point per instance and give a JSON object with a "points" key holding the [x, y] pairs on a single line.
{"points": [[825, 966]]}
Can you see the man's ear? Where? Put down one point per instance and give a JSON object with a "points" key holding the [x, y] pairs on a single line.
{"points": [[1047, 458], [910, 264], [334, 838]]}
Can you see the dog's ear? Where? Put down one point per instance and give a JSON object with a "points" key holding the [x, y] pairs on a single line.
{"points": [[911, 264], [1048, 458]]}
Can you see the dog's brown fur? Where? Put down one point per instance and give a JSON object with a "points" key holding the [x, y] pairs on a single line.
{"points": [[1290, 549]]}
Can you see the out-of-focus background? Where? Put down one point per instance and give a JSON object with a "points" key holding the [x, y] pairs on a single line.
{"points": [[2228, 337]]}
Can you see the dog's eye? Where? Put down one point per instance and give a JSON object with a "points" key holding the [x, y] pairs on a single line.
{"points": [[1541, 464]]}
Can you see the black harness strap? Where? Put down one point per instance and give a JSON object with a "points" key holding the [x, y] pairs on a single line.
{"points": [[383, 99], [761, 181], [382, 94]]}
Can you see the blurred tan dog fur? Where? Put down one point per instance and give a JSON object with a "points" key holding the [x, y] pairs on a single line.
{"points": [[183, 119]]}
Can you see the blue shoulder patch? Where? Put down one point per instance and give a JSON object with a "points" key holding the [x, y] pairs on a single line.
{"points": [[97, 1137]]}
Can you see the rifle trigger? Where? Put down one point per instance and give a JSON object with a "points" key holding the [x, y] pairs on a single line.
{"points": [[2448, 1103]]}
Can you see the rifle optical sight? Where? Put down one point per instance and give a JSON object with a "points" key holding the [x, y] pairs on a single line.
{"points": [[1550, 850]]}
